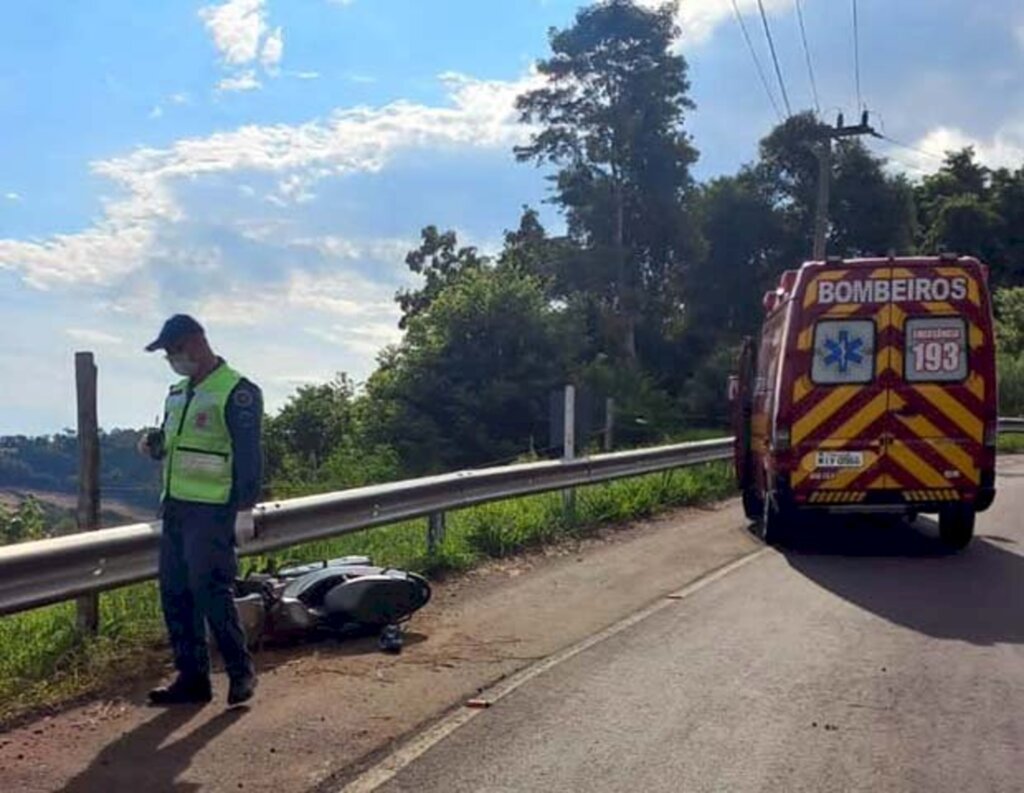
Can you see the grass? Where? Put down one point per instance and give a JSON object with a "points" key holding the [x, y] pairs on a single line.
{"points": [[1011, 443], [44, 662]]}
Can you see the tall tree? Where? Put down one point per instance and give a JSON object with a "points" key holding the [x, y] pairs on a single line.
{"points": [[871, 212], [441, 261], [610, 117]]}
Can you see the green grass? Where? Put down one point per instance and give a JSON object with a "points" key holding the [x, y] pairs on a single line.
{"points": [[1011, 444], [44, 662]]}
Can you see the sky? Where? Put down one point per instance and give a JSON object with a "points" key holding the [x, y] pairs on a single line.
{"points": [[265, 164]]}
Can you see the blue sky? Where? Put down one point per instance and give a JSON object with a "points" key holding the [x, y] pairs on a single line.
{"points": [[265, 164]]}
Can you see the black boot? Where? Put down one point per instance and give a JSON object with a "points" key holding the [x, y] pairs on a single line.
{"points": [[183, 691], [241, 689]]}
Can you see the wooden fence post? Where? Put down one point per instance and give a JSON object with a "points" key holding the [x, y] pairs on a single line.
{"points": [[88, 516]]}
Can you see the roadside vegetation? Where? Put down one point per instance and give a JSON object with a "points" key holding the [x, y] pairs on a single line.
{"points": [[45, 662], [644, 299]]}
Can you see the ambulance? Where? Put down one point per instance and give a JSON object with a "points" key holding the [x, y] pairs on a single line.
{"points": [[872, 389]]}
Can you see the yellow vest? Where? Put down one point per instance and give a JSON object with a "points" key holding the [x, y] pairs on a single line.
{"points": [[199, 457]]}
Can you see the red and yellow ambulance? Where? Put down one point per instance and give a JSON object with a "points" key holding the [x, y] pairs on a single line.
{"points": [[872, 389]]}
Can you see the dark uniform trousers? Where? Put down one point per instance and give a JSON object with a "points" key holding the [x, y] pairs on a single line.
{"points": [[198, 566]]}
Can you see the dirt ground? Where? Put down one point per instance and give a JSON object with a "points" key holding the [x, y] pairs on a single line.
{"points": [[322, 708]]}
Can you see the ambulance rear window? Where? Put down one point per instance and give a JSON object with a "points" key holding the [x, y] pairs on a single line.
{"points": [[936, 349], [844, 351]]}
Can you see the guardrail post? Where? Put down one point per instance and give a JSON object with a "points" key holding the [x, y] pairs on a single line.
{"points": [[609, 424], [569, 450], [435, 532], [88, 517]]}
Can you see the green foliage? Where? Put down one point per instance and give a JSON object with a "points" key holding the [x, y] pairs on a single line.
{"points": [[1009, 310], [44, 661], [51, 463], [26, 522], [470, 381], [610, 118]]}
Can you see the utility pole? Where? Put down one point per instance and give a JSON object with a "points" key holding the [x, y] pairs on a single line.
{"points": [[824, 153]]}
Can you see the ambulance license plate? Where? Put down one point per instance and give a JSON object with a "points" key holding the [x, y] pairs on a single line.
{"points": [[840, 459]]}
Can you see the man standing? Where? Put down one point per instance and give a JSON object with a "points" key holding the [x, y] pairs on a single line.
{"points": [[212, 465]]}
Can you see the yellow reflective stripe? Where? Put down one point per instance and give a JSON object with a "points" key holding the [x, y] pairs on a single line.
{"points": [[801, 388], [812, 290], [863, 418], [954, 454], [940, 399], [977, 338], [973, 293], [976, 385], [806, 339], [915, 466], [807, 423], [843, 309]]}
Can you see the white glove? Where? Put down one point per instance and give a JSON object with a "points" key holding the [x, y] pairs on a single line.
{"points": [[245, 527]]}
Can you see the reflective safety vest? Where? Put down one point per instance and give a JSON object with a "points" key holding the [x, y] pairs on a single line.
{"points": [[199, 458]]}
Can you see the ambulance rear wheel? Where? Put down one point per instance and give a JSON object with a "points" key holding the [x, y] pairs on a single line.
{"points": [[956, 527]]}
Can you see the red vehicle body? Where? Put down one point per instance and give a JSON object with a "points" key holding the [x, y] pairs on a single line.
{"points": [[872, 389]]}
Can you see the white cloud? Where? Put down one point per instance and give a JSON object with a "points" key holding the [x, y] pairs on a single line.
{"points": [[698, 19], [12, 196], [1018, 32], [480, 114], [156, 112], [180, 98], [94, 336], [310, 75], [242, 36], [1003, 149], [236, 27], [273, 49], [244, 81]]}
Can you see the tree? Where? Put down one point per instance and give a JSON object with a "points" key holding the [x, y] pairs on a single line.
{"points": [[311, 425], [441, 263], [469, 384], [870, 211], [611, 119]]}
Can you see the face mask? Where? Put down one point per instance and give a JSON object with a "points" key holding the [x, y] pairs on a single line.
{"points": [[182, 364]]}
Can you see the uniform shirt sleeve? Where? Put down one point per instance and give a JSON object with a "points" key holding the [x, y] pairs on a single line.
{"points": [[244, 417]]}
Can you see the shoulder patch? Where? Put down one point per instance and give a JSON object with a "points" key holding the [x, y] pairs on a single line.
{"points": [[243, 397]]}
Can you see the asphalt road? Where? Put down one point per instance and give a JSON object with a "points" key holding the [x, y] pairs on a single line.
{"points": [[866, 659]]}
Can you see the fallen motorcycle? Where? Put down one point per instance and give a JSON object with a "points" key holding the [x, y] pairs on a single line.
{"points": [[339, 596]]}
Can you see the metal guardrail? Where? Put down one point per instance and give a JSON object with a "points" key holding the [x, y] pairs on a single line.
{"points": [[1008, 425], [48, 571]]}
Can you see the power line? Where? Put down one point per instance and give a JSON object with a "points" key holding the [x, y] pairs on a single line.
{"points": [[775, 57], [856, 54], [908, 147], [757, 61], [807, 55]]}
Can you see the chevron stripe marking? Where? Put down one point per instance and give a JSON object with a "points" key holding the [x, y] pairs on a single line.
{"points": [[945, 403], [814, 417], [913, 465]]}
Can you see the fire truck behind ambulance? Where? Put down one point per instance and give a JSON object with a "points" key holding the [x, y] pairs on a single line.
{"points": [[872, 389]]}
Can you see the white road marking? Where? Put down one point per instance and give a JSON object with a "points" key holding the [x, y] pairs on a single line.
{"points": [[409, 752]]}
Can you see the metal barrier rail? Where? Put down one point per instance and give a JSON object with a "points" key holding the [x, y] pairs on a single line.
{"points": [[48, 571], [1008, 425]]}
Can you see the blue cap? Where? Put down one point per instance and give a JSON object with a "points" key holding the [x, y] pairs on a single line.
{"points": [[174, 330]]}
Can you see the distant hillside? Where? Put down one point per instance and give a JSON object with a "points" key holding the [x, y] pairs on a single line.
{"points": [[50, 464]]}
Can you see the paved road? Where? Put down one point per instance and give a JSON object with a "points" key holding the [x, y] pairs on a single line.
{"points": [[867, 659]]}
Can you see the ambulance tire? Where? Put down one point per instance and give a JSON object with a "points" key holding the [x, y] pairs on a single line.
{"points": [[753, 506], [775, 524], [956, 527]]}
